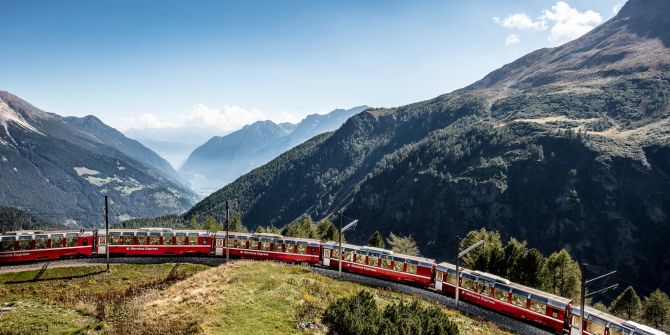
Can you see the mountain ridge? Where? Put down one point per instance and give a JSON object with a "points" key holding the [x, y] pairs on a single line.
{"points": [[567, 147]]}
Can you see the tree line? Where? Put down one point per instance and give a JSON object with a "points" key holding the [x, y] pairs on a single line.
{"points": [[559, 274]]}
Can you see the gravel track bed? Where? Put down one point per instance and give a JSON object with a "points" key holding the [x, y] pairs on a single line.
{"points": [[502, 321]]}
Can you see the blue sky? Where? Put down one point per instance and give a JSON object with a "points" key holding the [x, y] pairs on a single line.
{"points": [[168, 63]]}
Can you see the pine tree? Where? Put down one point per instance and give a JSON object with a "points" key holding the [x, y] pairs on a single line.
{"points": [[376, 240], [328, 231], [212, 225], [528, 267], [656, 309], [627, 305], [403, 245], [561, 275]]}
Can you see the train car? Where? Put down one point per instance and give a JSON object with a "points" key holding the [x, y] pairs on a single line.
{"points": [[154, 242], [379, 263], [268, 247], [25, 246], [498, 294], [600, 323]]}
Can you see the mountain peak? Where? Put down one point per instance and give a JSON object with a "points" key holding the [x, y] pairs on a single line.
{"points": [[648, 18]]}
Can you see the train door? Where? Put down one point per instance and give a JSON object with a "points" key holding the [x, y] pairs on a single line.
{"points": [[326, 256], [438, 280], [102, 244], [219, 245]]}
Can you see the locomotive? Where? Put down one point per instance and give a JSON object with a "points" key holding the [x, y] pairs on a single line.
{"points": [[542, 309]]}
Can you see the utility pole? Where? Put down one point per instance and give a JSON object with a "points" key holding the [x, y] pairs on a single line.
{"points": [[107, 239], [340, 237], [582, 298], [583, 294], [458, 267], [458, 260], [227, 231]]}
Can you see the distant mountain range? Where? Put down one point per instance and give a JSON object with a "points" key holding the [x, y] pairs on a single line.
{"points": [[566, 147], [223, 159], [174, 144], [61, 167]]}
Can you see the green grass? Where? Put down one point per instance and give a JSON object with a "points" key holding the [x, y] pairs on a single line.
{"points": [[240, 298]]}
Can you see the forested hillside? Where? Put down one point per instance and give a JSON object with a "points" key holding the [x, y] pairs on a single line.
{"points": [[566, 147]]}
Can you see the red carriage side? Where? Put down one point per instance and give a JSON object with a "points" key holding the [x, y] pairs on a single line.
{"points": [[154, 242], [268, 247], [498, 294], [379, 263], [25, 246]]}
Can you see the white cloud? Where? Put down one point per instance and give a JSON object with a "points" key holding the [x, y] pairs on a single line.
{"points": [[568, 22], [563, 22], [226, 118], [512, 39], [616, 9], [520, 21]]}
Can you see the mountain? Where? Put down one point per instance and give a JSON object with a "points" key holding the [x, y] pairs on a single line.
{"points": [[12, 219], [60, 168], [174, 144], [132, 148], [567, 147], [223, 159]]}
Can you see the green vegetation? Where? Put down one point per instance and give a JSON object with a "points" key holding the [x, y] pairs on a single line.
{"points": [[656, 309], [243, 297], [627, 305], [305, 227], [17, 219], [403, 245], [359, 314], [561, 275], [376, 240]]}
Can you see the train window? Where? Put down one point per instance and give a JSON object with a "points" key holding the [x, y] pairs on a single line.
{"points": [[289, 246], [595, 326], [386, 262], [25, 242], [361, 257], [336, 253], [538, 306], [501, 293], [193, 238], [41, 241], [451, 277], [254, 243], [168, 239], [575, 320], [141, 238], [412, 266], [398, 264], [468, 283], [240, 242], [154, 238], [114, 238], [554, 313], [72, 240], [302, 248], [519, 300], [373, 260], [180, 238], [7, 243], [484, 287], [265, 244], [127, 238], [348, 255], [277, 246], [616, 330]]}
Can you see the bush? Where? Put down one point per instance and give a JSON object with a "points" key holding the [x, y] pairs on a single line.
{"points": [[359, 314]]}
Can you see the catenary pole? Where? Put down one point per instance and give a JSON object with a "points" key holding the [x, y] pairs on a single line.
{"points": [[107, 239], [340, 262], [227, 231]]}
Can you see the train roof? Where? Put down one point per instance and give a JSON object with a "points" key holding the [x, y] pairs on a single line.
{"points": [[102, 232], [309, 241], [385, 252], [44, 232], [593, 314], [553, 299]]}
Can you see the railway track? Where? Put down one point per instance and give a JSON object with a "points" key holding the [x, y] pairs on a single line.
{"points": [[502, 321]]}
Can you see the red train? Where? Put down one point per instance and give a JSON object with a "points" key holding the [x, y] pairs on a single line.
{"points": [[542, 309]]}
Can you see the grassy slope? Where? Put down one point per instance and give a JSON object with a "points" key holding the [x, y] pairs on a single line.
{"points": [[240, 298]]}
